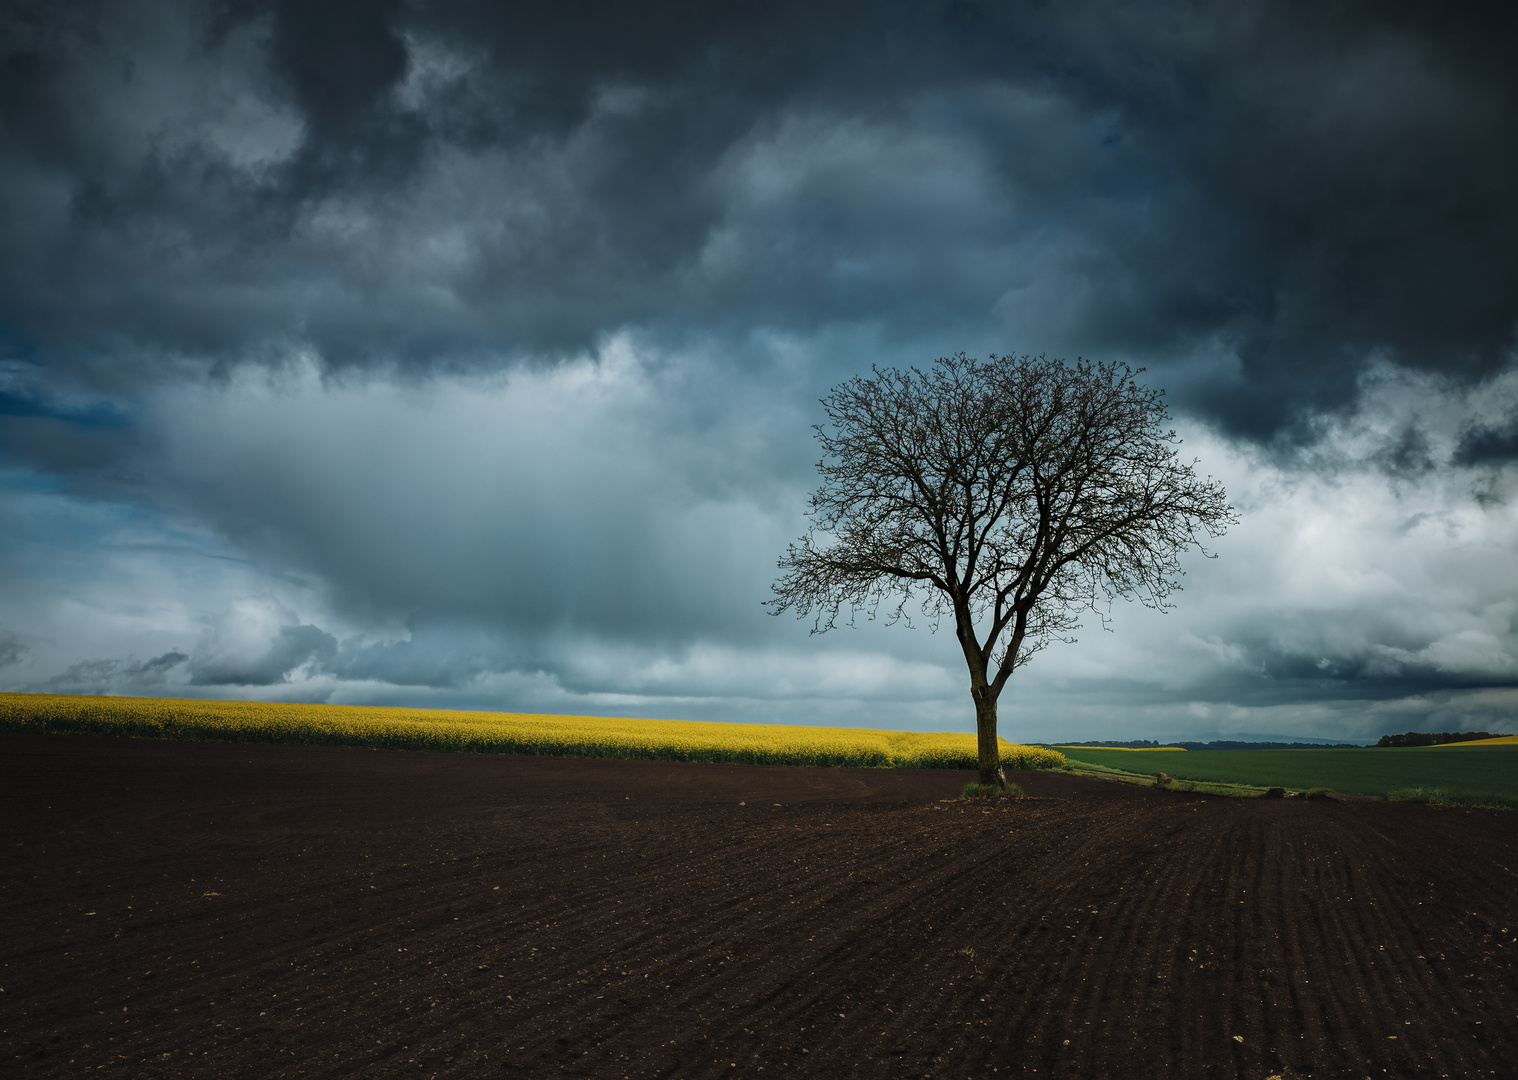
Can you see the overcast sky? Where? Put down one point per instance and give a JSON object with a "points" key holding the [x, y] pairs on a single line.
{"points": [[466, 354]]}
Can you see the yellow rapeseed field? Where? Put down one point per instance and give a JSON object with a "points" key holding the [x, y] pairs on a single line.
{"points": [[503, 733]]}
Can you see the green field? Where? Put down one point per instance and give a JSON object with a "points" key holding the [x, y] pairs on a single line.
{"points": [[1462, 771]]}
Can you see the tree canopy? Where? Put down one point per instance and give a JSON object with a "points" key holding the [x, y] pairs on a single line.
{"points": [[1011, 495]]}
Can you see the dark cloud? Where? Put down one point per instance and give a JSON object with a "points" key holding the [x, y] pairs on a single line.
{"points": [[480, 341], [444, 660], [295, 645], [11, 649], [1300, 185], [1368, 675], [1487, 445], [258, 642], [117, 675]]}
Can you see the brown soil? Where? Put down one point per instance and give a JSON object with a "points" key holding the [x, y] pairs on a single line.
{"points": [[223, 910]]}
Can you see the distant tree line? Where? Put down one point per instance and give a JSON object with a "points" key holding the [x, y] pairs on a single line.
{"points": [[1216, 744], [1118, 744], [1231, 744], [1433, 738]]}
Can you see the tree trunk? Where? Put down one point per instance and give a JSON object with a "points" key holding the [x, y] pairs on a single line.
{"points": [[985, 732]]}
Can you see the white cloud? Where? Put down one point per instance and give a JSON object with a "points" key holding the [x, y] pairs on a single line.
{"points": [[597, 536]]}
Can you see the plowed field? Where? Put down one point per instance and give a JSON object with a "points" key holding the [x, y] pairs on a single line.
{"points": [[225, 910]]}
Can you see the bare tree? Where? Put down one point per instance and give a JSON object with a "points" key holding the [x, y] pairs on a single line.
{"points": [[1011, 494]]}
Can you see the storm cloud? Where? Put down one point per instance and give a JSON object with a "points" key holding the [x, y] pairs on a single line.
{"points": [[467, 354]]}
